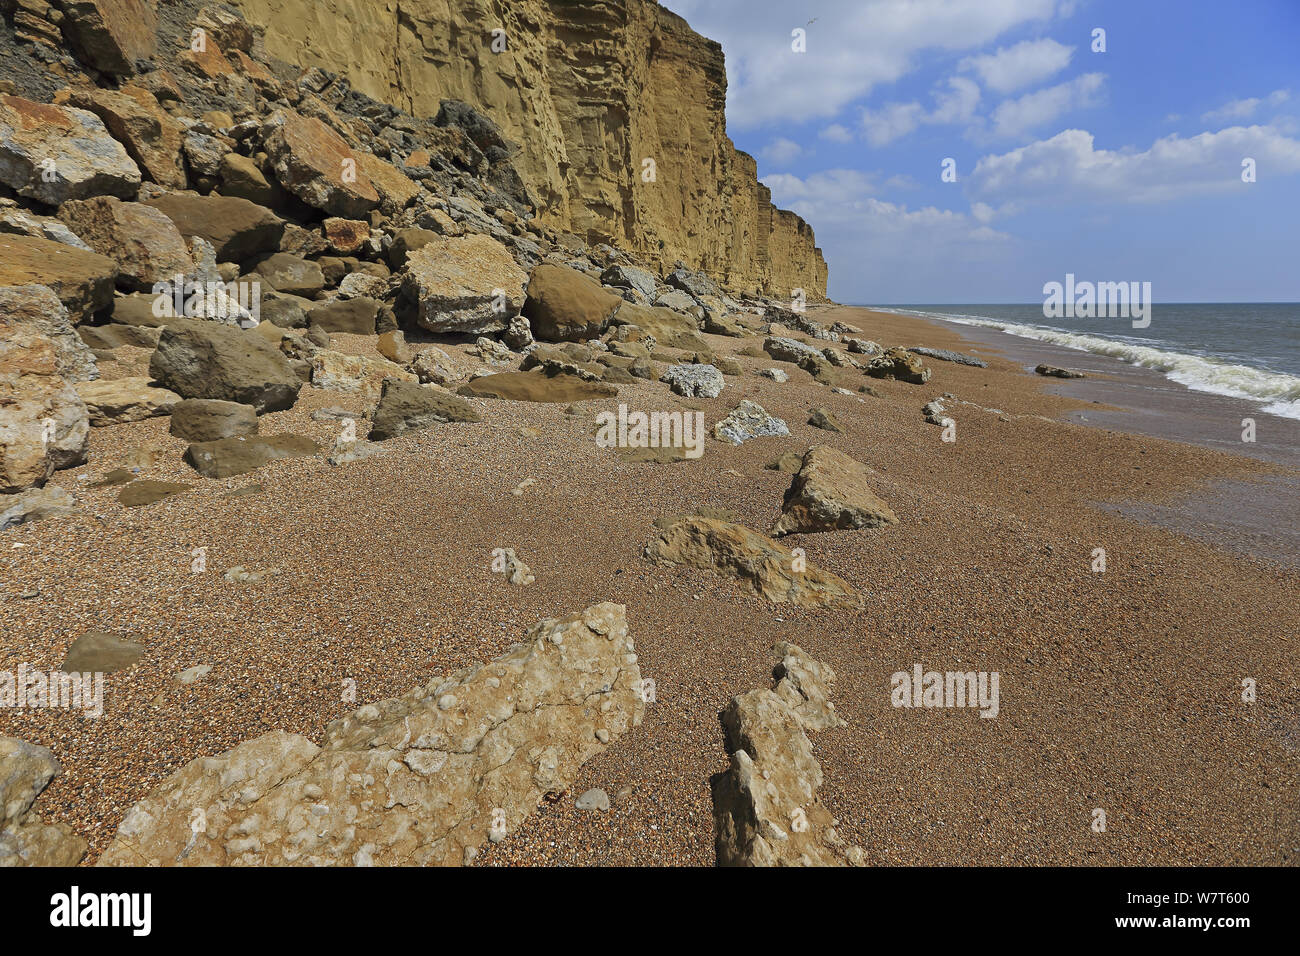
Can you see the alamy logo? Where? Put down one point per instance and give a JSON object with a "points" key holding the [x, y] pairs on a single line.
{"points": [[624, 429], [946, 689], [1098, 300], [235, 303], [73, 909], [27, 688]]}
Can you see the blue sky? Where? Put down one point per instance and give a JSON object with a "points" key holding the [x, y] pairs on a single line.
{"points": [[1123, 165]]}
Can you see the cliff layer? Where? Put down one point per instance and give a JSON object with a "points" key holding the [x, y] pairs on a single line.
{"points": [[618, 107]]}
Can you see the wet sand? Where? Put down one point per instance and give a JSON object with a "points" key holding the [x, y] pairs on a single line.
{"points": [[1119, 690]]}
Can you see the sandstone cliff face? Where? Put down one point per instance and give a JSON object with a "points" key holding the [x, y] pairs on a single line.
{"points": [[589, 90]]}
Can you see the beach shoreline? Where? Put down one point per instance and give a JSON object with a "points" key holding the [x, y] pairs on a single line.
{"points": [[1121, 688]]}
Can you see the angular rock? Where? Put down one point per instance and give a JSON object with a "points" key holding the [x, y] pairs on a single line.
{"points": [[464, 284], [831, 493], [242, 178], [315, 164], [630, 277], [36, 307], [208, 360], [55, 153], [346, 236], [111, 402], [790, 350], [351, 316], [899, 364], [207, 419], [111, 35], [752, 557], [355, 373], [695, 381], [151, 136], [823, 419], [227, 457], [145, 244], [1052, 371], [35, 504], [746, 421], [406, 406], [236, 228], [291, 275], [392, 346], [946, 355], [98, 652], [25, 840], [424, 779], [536, 387], [565, 305], [83, 281], [434, 365]]}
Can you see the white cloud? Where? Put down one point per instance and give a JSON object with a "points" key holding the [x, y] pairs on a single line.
{"points": [[781, 151], [1014, 117], [1015, 67], [1069, 168], [854, 46], [1237, 110], [837, 133], [894, 120]]}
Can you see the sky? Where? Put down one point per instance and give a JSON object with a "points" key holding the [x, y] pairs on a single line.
{"points": [[1122, 164]]}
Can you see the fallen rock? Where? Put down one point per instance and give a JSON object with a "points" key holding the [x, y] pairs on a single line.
{"points": [[789, 462], [355, 373], [536, 387], [630, 277], [746, 421], [752, 557], [152, 137], [83, 281], [110, 35], [434, 365], [227, 457], [37, 308], [899, 364], [315, 164], [208, 360], [291, 275], [35, 504], [464, 284], [99, 652], [146, 245], [510, 564], [25, 840], [830, 493], [146, 491], [1052, 371], [111, 402], [56, 153], [236, 228], [946, 355], [350, 316], [210, 419], [593, 799], [565, 305], [406, 406], [766, 810], [823, 419], [392, 346], [694, 381], [422, 779], [775, 374]]}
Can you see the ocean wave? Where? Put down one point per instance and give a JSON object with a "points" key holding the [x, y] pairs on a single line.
{"points": [[1279, 393]]}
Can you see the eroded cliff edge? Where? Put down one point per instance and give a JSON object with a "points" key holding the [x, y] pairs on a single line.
{"points": [[589, 89]]}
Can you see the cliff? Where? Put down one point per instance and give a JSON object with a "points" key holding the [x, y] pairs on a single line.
{"points": [[590, 90]]}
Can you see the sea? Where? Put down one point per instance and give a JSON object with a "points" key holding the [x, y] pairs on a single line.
{"points": [[1244, 350]]}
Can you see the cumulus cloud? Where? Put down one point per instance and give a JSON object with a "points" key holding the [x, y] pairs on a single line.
{"points": [[1016, 67], [837, 133], [1015, 117], [956, 104], [852, 47], [1238, 110], [1069, 168]]}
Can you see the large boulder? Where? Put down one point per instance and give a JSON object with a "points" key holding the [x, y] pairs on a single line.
{"points": [[292, 275], [111, 402], [423, 779], [694, 381], [111, 35], [630, 277], [53, 154], [408, 406], [464, 284], [669, 329], [152, 137], [35, 504], [143, 241], [774, 572], [82, 281], [210, 360], [37, 307], [227, 457], [746, 421], [25, 840], [44, 425], [900, 364], [316, 164], [565, 305], [236, 228], [831, 493], [360, 374]]}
